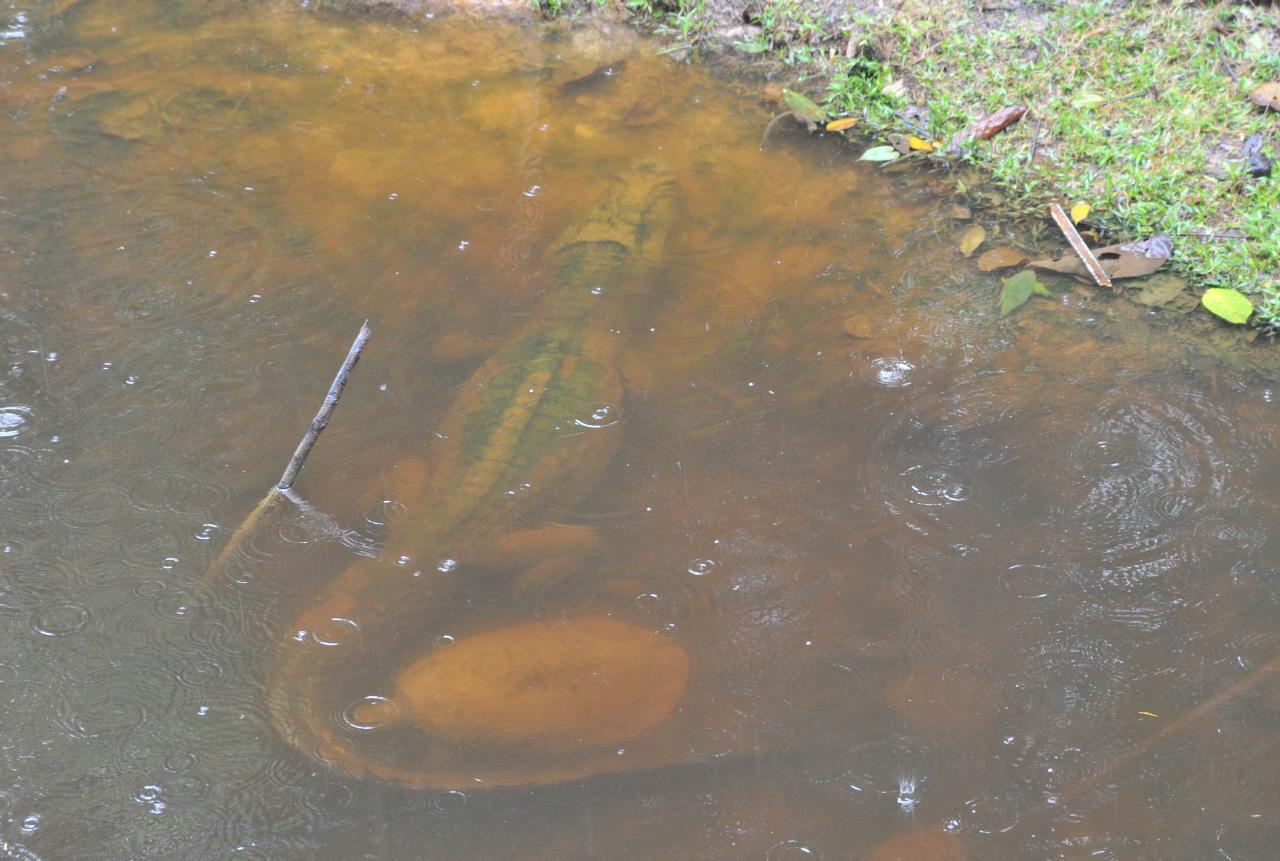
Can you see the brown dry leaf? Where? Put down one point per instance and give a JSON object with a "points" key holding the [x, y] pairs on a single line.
{"points": [[971, 239], [1267, 96], [1003, 257], [842, 124], [990, 126], [1129, 260]]}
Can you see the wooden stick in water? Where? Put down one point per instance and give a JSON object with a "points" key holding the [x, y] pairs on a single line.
{"points": [[1171, 729], [283, 487], [321, 421], [1077, 245]]}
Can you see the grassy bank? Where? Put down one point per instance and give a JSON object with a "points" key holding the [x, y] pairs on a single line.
{"points": [[1138, 109]]}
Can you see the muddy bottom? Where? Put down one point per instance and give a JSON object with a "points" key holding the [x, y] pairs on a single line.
{"points": [[690, 500]]}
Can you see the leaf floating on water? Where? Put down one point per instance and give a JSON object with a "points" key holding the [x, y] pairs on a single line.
{"points": [[879, 153], [1230, 305], [971, 239], [1161, 291], [1079, 212], [1003, 257], [805, 107], [919, 144], [842, 124], [1129, 260], [1017, 290], [1267, 96]]}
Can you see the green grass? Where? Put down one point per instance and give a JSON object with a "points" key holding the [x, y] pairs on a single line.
{"points": [[1136, 107], [1135, 104]]}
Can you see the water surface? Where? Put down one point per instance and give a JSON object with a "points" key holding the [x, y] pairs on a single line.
{"points": [[936, 571]]}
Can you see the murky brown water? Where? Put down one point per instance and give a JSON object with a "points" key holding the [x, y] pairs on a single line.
{"points": [[933, 574]]}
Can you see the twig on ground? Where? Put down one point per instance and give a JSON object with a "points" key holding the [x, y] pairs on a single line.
{"points": [[1082, 251]]}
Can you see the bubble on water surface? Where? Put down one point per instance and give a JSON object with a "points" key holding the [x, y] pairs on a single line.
{"points": [[149, 797], [701, 567], [599, 416], [892, 373], [369, 713], [13, 419]]}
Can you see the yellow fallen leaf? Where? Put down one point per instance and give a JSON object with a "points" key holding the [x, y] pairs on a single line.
{"points": [[919, 144], [1079, 211], [972, 238], [842, 124], [1149, 714]]}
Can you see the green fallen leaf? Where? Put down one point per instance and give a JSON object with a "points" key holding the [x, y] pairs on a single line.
{"points": [[1230, 305], [804, 107], [879, 153], [1087, 100], [1018, 289]]}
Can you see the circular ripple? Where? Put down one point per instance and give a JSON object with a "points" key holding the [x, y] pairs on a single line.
{"points": [[1075, 674], [448, 803], [793, 850], [947, 483], [337, 631], [175, 491], [892, 372], [598, 416], [59, 620], [200, 673], [701, 567], [369, 713], [894, 765], [992, 814], [1148, 466], [712, 743], [180, 761], [823, 688], [1031, 580], [110, 717]]}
